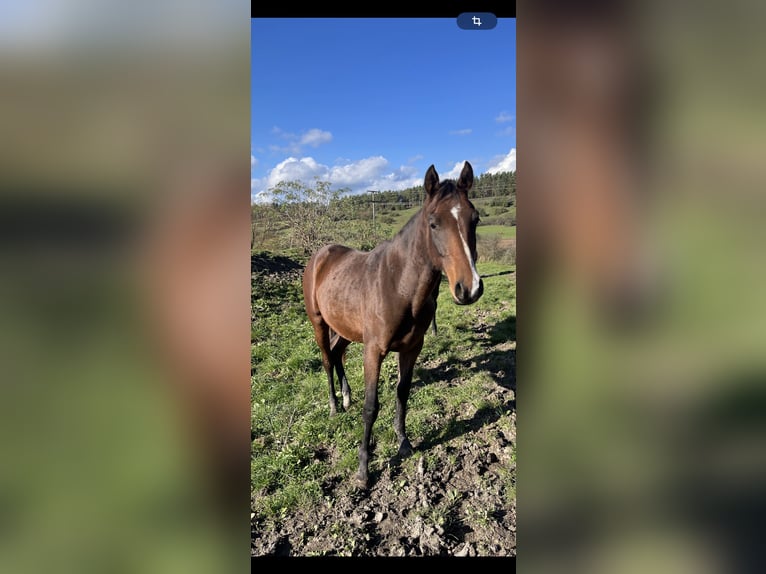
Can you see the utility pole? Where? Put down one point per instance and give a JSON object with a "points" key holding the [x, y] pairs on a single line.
{"points": [[373, 192]]}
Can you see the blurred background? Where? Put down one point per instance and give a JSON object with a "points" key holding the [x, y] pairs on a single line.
{"points": [[124, 286], [641, 361]]}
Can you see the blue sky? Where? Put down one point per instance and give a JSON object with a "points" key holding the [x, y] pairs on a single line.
{"points": [[371, 103]]}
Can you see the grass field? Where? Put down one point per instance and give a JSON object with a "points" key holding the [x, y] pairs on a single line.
{"points": [[297, 450], [501, 231]]}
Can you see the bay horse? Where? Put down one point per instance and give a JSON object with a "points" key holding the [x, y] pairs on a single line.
{"points": [[386, 298], [435, 296]]}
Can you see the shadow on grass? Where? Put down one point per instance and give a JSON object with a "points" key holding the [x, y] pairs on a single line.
{"points": [[499, 273], [504, 331], [499, 364], [270, 263], [501, 367], [456, 428]]}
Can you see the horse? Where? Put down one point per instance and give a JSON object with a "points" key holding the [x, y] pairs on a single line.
{"points": [[386, 298], [435, 296]]}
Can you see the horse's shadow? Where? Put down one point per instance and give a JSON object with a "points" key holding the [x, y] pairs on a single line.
{"points": [[501, 367]]}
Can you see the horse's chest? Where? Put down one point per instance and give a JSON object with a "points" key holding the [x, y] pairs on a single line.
{"points": [[410, 327]]}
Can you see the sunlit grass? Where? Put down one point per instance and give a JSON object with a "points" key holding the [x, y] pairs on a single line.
{"points": [[296, 445]]}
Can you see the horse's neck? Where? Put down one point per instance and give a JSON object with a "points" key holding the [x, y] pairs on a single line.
{"points": [[418, 276]]}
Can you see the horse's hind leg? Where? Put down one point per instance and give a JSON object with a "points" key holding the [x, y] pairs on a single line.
{"points": [[337, 357], [322, 336]]}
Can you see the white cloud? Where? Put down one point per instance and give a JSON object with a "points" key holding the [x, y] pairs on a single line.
{"points": [[503, 162], [503, 117], [358, 176], [315, 137], [257, 195], [402, 178], [253, 161], [260, 197], [355, 173], [507, 131], [463, 132], [303, 169], [454, 173], [296, 142]]}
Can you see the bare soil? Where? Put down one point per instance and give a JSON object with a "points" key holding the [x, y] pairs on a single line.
{"points": [[384, 521]]}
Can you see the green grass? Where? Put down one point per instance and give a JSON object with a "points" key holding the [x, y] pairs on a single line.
{"points": [[296, 445], [402, 217], [502, 231], [388, 222]]}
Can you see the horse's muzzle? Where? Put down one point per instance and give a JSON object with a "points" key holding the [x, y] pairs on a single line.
{"points": [[464, 297]]}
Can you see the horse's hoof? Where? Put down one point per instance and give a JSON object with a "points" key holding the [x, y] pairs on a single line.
{"points": [[405, 449], [333, 411], [346, 402], [362, 481]]}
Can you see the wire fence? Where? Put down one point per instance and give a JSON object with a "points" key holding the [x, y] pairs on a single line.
{"points": [[413, 203]]}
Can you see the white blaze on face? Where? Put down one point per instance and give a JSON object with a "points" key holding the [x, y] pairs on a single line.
{"points": [[474, 274]]}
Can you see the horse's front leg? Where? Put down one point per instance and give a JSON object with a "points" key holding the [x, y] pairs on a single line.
{"points": [[435, 297], [373, 358], [406, 366]]}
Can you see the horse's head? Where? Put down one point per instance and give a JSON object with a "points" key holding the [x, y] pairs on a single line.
{"points": [[451, 221]]}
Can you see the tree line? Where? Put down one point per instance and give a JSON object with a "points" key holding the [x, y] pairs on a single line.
{"points": [[486, 185], [307, 216]]}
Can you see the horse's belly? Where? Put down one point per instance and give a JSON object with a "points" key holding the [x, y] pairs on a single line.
{"points": [[341, 314], [346, 329]]}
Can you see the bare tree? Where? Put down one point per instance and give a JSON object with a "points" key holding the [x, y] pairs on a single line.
{"points": [[311, 212]]}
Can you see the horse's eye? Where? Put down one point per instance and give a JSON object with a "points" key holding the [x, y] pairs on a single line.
{"points": [[433, 225]]}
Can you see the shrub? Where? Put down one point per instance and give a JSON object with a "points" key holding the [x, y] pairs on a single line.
{"points": [[494, 248]]}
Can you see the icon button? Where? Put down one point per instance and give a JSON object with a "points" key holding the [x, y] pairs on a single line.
{"points": [[477, 21]]}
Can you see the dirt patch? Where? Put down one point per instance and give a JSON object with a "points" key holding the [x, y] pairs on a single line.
{"points": [[269, 264], [453, 497]]}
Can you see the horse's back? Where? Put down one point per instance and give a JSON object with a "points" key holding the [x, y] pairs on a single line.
{"points": [[321, 266], [334, 289], [323, 259]]}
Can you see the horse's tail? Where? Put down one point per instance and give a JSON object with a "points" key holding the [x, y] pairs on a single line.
{"points": [[333, 338]]}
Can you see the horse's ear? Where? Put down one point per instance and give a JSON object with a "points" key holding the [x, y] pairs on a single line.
{"points": [[466, 177], [432, 181]]}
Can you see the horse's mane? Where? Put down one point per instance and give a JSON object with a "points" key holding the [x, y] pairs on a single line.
{"points": [[447, 188]]}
